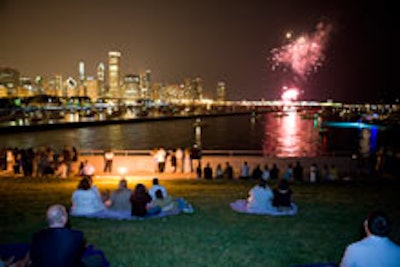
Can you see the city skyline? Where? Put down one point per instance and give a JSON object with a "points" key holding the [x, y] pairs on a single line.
{"points": [[216, 40]]}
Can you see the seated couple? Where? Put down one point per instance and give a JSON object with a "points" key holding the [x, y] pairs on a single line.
{"points": [[263, 200], [155, 201]]}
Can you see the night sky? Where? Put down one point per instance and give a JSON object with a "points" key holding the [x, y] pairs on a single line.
{"points": [[215, 40]]}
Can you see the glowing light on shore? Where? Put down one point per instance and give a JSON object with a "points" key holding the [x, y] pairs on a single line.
{"points": [[304, 54], [122, 170]]}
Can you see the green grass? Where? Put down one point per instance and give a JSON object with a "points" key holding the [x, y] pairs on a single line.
{"points": [[329, 218]]}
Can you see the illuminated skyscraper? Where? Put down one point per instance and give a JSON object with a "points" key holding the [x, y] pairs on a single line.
{"points": [[221, 91], [131, 85], [82, 77], [81, 71], [92, 88], [197, 88], [114, 74], [101, 79], [146, 85]]}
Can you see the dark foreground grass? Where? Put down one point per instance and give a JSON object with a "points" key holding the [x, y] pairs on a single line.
{"points": [[329, 218]]}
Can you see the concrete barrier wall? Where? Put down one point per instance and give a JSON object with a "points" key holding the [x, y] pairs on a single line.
{"points": [[146, 165]]}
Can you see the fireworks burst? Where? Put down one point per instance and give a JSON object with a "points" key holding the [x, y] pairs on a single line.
{"points": [[305, 54]]}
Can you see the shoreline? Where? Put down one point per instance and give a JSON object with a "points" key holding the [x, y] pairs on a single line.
{"points": [[82, 124]]}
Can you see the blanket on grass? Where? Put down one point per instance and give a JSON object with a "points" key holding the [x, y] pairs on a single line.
{"points": [[183, 206], [241, 207]]}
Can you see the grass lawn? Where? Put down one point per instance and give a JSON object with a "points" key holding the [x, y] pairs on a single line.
{"points": [[329, 218]]}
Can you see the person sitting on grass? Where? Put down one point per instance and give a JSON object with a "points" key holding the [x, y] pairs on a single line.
{"points": [[60, 246], [119, 199], [86, 201], [376, 249], [260, 198], [282, 196], [57, 245], [165, 203], [156, 186], [140, 200]]}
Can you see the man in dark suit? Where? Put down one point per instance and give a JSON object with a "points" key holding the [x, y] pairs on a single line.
{"points": [[57, 245]]}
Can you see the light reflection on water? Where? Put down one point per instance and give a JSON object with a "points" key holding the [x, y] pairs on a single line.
{"points": [[290, 136], [284, 136]]}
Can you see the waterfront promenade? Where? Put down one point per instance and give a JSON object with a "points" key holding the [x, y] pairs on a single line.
{"points": [[141, 164]]}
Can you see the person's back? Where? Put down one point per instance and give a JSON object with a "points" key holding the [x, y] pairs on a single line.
{"points": [[120, 197], [282, 195], [374, 250], [156, 186], [208, 173], [84, 200], [260, 198], [139, 200], [57, 245], [228, 171]]}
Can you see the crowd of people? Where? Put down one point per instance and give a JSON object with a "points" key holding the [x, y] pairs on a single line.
{"points": [[140, 201], [183, 160], [39, 162]]}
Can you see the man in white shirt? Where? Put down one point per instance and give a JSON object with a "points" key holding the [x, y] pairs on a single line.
{"points": [[376, 249], [156, 186], [108, 161]]}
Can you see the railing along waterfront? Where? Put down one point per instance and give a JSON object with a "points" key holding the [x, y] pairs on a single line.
{"points": [[258, 153]]}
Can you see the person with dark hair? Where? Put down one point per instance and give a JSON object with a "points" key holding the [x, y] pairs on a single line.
{"points": [[282, 196], [208, 172], [376, 249], [274, 172], [85, 200], [166, 203], [140, 201], [228, 172]]}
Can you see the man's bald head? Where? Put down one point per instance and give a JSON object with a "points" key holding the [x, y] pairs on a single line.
{"points": [[57, 216]]}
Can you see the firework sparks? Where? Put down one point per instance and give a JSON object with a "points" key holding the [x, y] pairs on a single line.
{"points": [[304, 54], [290, 94]]}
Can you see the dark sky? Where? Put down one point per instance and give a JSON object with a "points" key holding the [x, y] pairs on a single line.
{"points": [[215, 40]]}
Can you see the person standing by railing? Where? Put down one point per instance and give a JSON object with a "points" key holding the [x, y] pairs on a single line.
{"points": [[108, 161]]}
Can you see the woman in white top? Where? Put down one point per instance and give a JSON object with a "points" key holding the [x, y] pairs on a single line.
{"points": [[260, 198], [85, 201]]}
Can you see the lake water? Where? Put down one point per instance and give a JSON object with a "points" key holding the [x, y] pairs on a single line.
{"points": [[284, 136]]}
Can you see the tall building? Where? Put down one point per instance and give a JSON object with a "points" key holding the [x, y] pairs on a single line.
{"points": [[101, 79], [26, 88], [197, 88], [9, 78], [146, 85], [114, 59], [92, 88], [221, 91], [132, 86], [82, 79]]}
